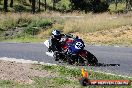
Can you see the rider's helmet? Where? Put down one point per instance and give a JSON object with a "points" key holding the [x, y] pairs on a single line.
{"points": [[56, 34]]}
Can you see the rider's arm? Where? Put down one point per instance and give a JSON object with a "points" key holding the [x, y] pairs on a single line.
{"points": [[67, 35]]}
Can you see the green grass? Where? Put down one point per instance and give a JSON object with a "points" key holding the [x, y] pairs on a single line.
{"points": [[12, 84], [67, 78], [24, 39], [76, 72], [30, 24], [12, 20], [63, 71], [70, 76], [56, 82]]}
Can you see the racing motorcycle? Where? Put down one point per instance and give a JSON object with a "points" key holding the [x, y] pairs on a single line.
{"points": [[83, 57]]}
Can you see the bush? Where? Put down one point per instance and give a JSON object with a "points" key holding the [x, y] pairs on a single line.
{"points": [[100, 6], [32, 30], [19, 8], [90, 5], [63, 5], [81, 5], [8, 24], [23, 22], [34, 27], [44, 23]]}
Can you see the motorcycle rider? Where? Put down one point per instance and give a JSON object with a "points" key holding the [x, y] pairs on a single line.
{"points": [[55, 41]]}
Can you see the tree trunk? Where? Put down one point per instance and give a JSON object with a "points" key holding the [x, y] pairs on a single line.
{"points": [[130, 4], [39, 6], [45, 5], [6, 5], [116, 4], [54, 4], [11, 3], [33, 6], [0, 1], [30, 1]]}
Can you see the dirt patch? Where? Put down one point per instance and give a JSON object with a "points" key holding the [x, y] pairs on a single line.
{"points": [[21, 72]]}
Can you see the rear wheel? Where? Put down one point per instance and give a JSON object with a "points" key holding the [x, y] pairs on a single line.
{"points": [[92, 59]]}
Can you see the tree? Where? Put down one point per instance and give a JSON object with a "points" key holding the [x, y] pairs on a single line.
{"points": [[45, 5], [6, 5], [30, 1], [0, 1], [116, 2], [90, 5], [33, 6], [11, 3], [128, 5], [39, 6], [53, 4]]}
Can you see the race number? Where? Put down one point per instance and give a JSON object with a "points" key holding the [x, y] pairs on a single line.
{"points": [[78, 45]]}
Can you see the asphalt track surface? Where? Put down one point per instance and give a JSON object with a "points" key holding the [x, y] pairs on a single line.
{"points": [[117, 60]]}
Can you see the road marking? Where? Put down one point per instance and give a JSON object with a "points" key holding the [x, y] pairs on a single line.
{"points": [[24, 61]]}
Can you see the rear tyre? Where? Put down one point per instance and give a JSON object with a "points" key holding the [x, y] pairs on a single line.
{"points": [[92, 60]]}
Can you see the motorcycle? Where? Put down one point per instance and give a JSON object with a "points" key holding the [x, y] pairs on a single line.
{"points": [[83, 57]]}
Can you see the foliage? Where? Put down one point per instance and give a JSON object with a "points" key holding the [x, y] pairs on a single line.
{"points": [[82, 5], [90, 5], [34, 27], [20, 8], [63, 5], [120, 7], [100, 7], [23, 22]]}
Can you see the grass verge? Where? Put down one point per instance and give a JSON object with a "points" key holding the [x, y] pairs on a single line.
{"points": [[103, 28], [66, 78], [25, 39]]}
